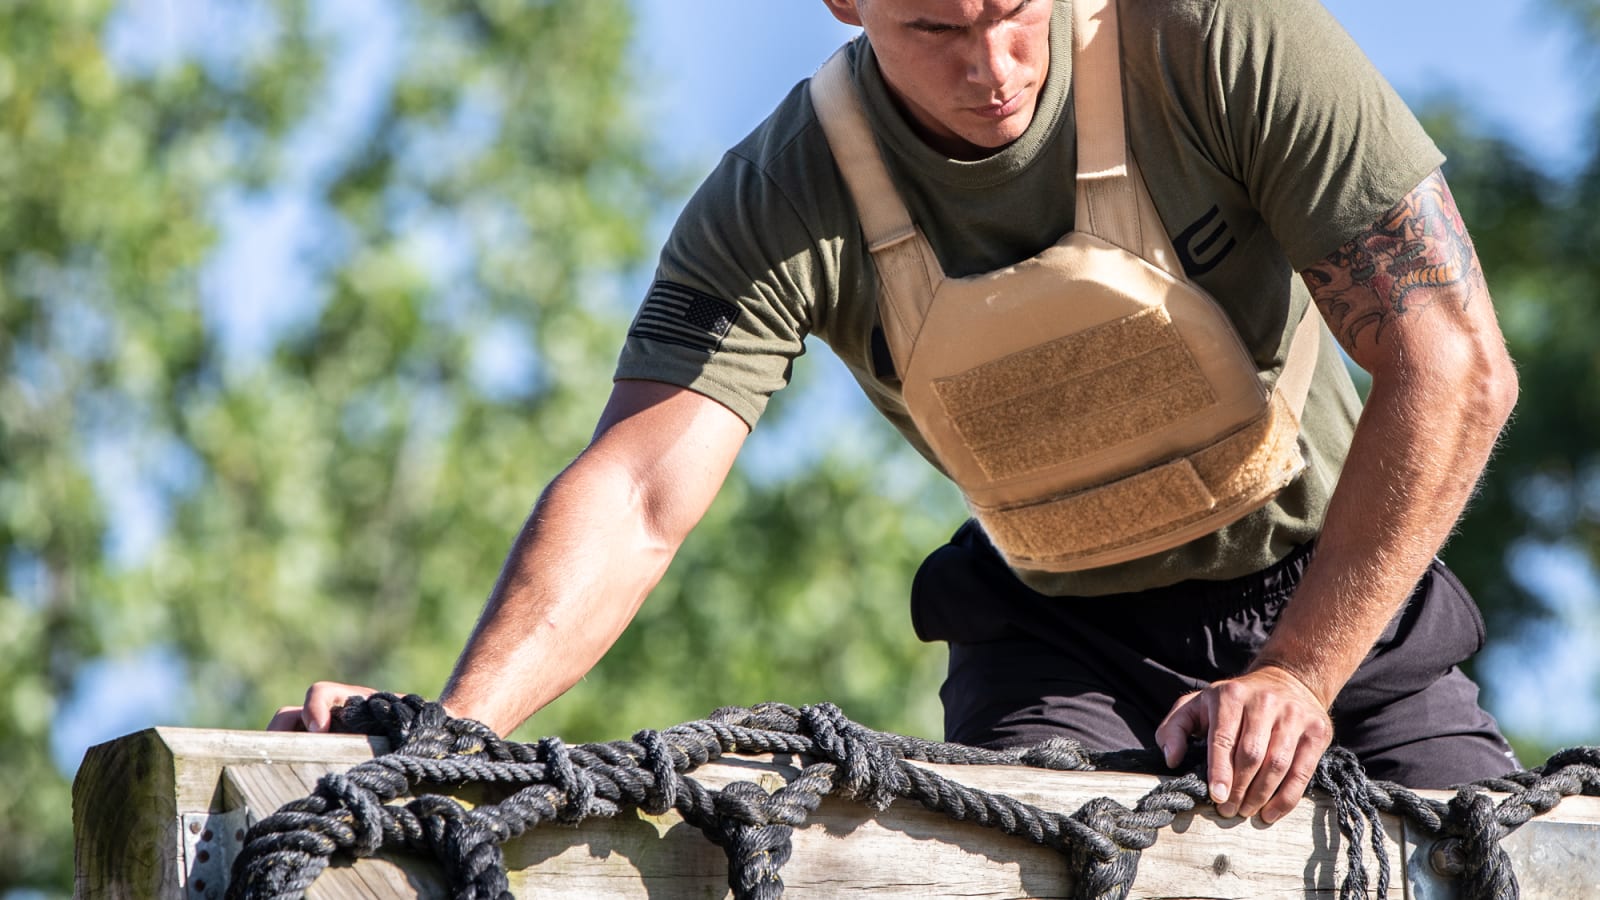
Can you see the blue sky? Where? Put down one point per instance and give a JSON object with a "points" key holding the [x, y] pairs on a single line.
{"points": [[720, 65], [715, 68]]}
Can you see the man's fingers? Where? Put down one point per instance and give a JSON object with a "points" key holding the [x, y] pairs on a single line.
{"points": [[1268, 735], [287, 718], [1252, 757], [1314, 741], [1294, 784], [1187, 717], [317, 713], [1227, 717], [323, 698], [1270, 775]]}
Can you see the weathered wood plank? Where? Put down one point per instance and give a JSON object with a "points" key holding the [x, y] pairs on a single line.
{"points": [[264, 787], [124, 816], [131, 795], [905, 851]]}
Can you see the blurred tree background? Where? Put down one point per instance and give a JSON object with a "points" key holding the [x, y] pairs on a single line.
{"points": [[251, 489]]}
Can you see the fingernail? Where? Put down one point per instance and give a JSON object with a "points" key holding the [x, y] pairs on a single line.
{"points": [[1219, 792]]}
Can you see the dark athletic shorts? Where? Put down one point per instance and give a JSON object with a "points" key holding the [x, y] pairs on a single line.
{"points": [[1106, 670]]}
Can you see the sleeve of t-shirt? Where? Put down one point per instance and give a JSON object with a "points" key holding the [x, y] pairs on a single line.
{"points": [[1319, 138], [727, 312]]}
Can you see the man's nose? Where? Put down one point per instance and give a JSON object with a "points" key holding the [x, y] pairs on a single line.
{"points": [[992, 60]]}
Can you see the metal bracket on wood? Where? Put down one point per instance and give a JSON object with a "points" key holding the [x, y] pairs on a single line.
{"points": [[1553, 860], [210, 842]]}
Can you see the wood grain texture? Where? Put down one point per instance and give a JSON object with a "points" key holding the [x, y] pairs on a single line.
{"points": [[131, 794], [905, 851]]}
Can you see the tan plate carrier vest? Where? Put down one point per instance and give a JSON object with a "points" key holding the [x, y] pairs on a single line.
{"points": [[1092, 403]]}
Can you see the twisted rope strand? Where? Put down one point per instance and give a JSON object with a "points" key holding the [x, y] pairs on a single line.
{"points": [[353, 813]]}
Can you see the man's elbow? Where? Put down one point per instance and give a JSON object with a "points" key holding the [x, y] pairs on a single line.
{"points": [[1463, 376], [1492, 392], [1502, 387]]}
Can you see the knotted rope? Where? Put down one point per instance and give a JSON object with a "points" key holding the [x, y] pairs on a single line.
{"points": [[352, 812]]}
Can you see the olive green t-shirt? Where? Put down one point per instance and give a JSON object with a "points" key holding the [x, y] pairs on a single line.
{"points": [[1266, 139]]}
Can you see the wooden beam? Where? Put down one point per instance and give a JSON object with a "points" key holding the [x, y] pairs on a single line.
{"points": [[131, 795], [905, 851]]}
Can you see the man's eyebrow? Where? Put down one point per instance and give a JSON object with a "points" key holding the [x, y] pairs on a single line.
{"points": [[933, 25]]}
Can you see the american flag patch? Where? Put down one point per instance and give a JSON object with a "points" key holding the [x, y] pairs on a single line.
{"points": [[675, 314]]}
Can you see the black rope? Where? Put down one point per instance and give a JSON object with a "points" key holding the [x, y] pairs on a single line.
{"points": [[355, 813]]}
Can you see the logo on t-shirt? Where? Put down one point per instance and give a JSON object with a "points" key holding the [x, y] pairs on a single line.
{"points": [[675, 314], [1204, 244]]}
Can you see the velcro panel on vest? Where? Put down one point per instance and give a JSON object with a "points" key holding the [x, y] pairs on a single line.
{"points": [[1079, 394], [1183, 499], [1100, 518]]}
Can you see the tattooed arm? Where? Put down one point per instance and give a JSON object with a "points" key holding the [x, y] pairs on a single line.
{"points": [[1407, 300]]}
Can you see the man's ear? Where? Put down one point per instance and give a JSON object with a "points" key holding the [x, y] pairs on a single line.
{"points": [[845, 11]]}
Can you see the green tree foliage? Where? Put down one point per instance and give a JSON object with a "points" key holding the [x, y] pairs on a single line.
{"points": [[339, 502], [1536, 232], [333, 496], [101, 228]]}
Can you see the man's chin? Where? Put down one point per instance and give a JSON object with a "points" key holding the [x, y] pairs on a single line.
{"points": [[990, 141], [998, 133]]}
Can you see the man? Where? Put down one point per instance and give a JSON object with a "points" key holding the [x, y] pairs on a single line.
{"points": [[1269, 148]]}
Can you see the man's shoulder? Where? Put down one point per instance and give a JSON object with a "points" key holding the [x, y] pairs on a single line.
{"points": [[1200, 19], [781, 172], [1170, 18], [1196, 20], [788, 140]]}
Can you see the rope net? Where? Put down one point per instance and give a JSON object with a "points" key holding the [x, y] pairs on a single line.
{"points": [[352, 813]]}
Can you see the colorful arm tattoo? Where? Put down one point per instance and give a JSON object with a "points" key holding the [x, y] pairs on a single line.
{"points": [[1416, 256]]}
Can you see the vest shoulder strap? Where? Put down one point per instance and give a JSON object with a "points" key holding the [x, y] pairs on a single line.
{"points": [[884, 218], [1110, 191], [1294, 381], [908, 271], [1108, 205]]}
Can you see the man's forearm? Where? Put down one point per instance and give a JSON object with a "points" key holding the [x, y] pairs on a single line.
{"points": [[598, 540], [1411, 468], [576, 575], [1418, 452], [1407, 299]]}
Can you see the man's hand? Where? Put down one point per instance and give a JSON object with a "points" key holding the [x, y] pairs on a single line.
{"points": [[1265, 732], [317, 713]]}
